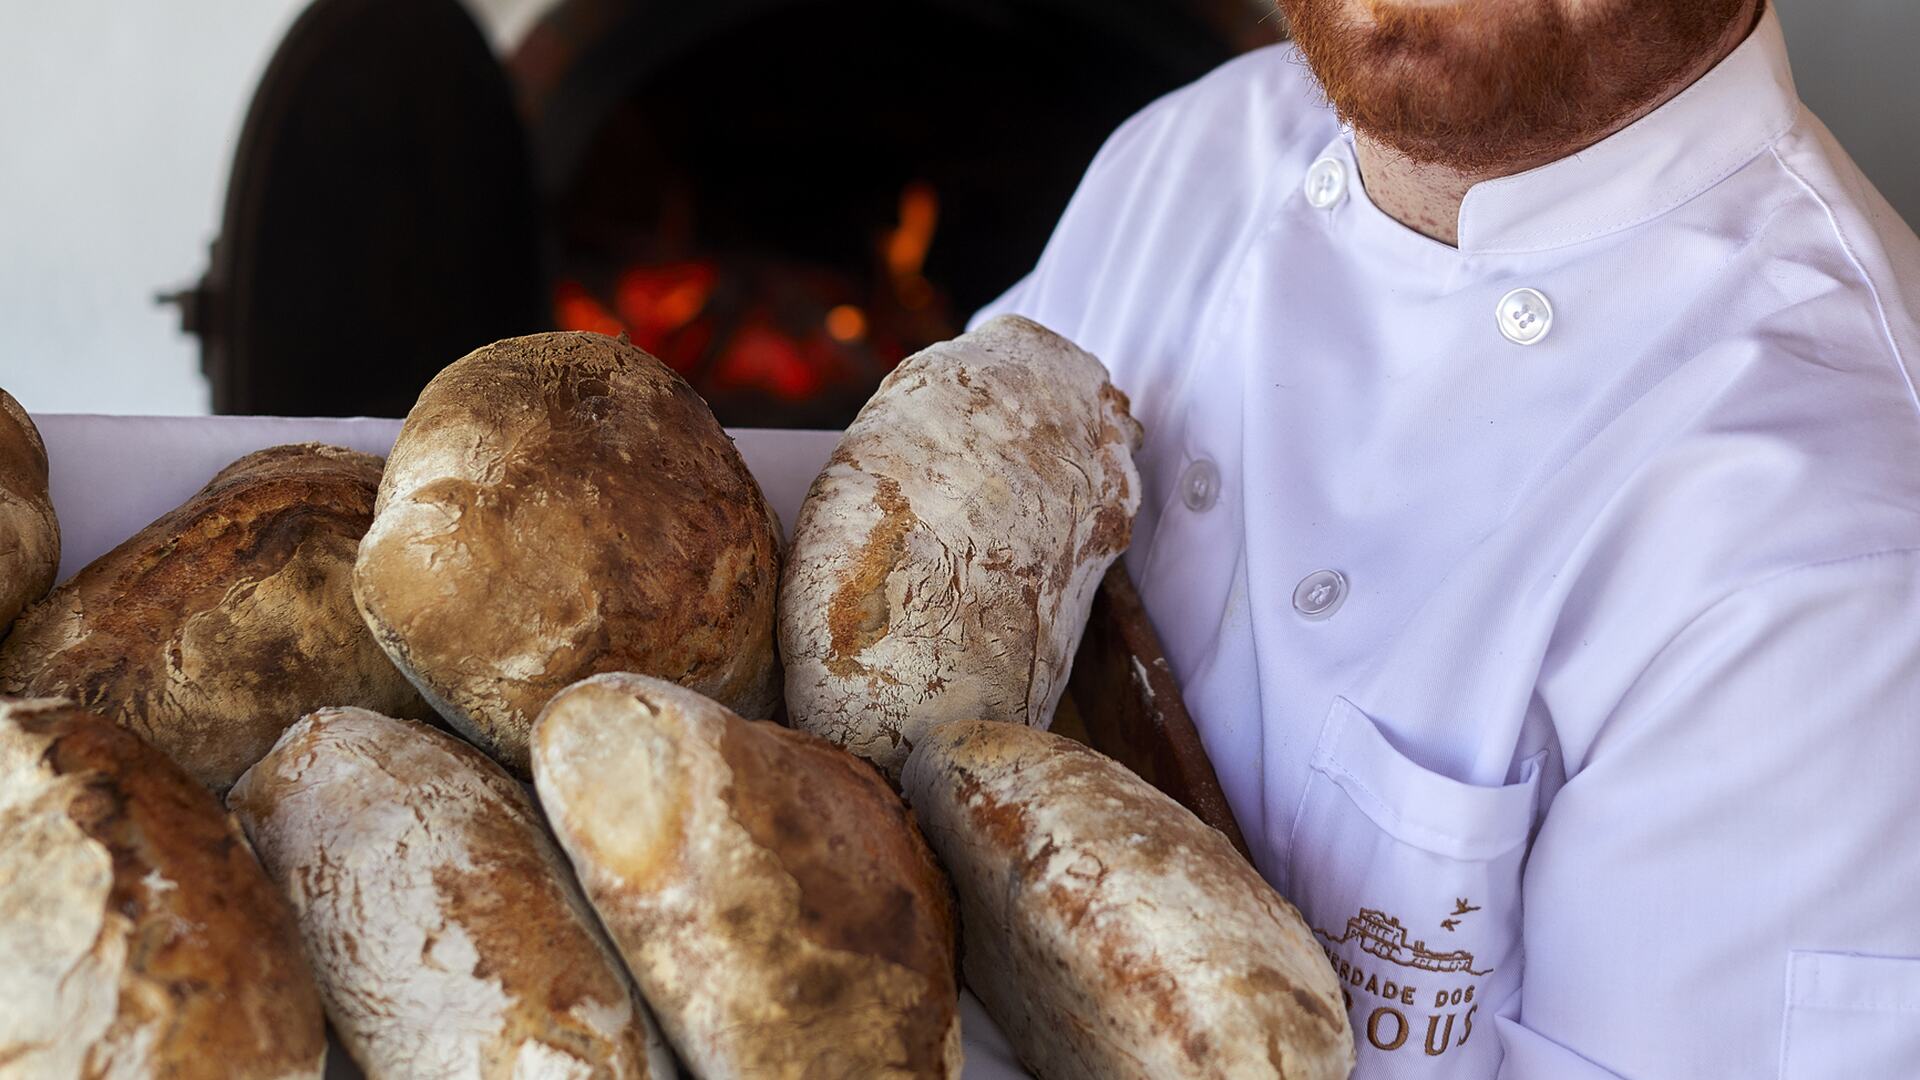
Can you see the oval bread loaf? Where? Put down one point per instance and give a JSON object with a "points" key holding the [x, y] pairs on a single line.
{"points": [[561, 505], [138, 936], [212, 629], [445, 928], [29, 534], [1110, 932], [943, 564], [769, 891]]}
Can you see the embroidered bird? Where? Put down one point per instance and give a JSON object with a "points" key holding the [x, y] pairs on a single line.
{"points": [[1449, 924], [1461, 907]]}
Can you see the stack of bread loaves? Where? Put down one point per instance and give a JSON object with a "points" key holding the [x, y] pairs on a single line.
{"points": [[566, 561], [941, 574]]}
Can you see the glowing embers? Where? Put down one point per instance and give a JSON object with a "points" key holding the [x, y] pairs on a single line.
{"points": [[772, 339]]}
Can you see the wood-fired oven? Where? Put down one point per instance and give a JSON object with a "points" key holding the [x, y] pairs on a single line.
{"points": [[780, 198]]}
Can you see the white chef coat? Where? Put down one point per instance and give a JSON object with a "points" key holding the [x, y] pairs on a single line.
{"points": [[1602, 754]]}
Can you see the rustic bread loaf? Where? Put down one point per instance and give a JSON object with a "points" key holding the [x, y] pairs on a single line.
{"points": [[770, 892], [561, 505], [445, 927], [29, 535], [1110, 932], [212, 629], [943, 565], [138, 937]]}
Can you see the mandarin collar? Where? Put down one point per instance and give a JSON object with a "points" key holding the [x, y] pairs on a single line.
{"points": [[1703, 135]]}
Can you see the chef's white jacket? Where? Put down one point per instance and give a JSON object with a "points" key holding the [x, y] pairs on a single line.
{"points": [[1559, 652]]}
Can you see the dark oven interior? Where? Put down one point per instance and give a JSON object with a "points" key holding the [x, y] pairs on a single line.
{"points": [[780, 198]]}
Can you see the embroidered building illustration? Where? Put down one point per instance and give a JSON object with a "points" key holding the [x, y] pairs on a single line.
{"points": [[1383, 936]]}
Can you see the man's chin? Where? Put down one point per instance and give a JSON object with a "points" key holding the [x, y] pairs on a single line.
{"points": [[1497, 86]]}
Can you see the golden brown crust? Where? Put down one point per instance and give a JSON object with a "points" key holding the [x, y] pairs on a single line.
{"points": [[560, 505], [868, 885], [211, 980], [770, 892], [29, 533], [1110, 932], [213, 628], [444, 924]]}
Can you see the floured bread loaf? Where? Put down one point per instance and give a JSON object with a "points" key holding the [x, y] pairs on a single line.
{"points": [[560, 505], [445, 928], [212, 629], [138, 936], [29, 535], [1110, 932], [944, 563], [769, 891]]}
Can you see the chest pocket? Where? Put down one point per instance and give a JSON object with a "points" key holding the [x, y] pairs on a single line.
{"points": [[1411, 882], [1851, 1016]]}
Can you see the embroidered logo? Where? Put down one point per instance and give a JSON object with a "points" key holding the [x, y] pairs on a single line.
{"points": [[1399, 1000], [1383, 936]]}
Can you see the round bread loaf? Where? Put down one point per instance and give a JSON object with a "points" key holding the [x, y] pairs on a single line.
{"points": [[29, 534], [561, 505], [1110, 932], [769, 891], [138, 936], [445, 927], [944, 564], [212, 629]]}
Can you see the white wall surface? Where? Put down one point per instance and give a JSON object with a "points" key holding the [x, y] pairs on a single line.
{"points": [[117, 121], [117, 125]]}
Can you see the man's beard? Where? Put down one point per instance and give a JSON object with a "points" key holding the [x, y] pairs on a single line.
{"points": [[1489, 87]]}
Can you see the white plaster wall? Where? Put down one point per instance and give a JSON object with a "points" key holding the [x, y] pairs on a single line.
{"points": [[117, 125], [117, 120]]}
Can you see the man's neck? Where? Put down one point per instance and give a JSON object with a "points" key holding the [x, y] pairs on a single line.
{"points": [[1426, 197]]}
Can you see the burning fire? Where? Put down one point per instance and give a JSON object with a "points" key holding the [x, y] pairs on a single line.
{"points": [[906, 248], [789, 331], [574, 308], [656, 301]]}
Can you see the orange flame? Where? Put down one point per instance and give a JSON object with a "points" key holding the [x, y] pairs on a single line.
{"points": [[657, 300], [763, 357], [574, 308], [906, 246]]}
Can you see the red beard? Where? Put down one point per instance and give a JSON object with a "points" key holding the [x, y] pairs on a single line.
{"points": [[1490, 87]]}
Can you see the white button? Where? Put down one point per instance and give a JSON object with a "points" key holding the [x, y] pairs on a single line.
{"points": [[1326, 183], [1200, 486], [1319, 594], [1525, 316]]}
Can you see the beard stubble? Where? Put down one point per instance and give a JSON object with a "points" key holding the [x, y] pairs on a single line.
{"points": [[1489, 87]]}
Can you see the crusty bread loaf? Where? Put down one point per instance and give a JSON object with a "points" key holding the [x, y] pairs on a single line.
{"points": [[29, 534], [769, 891], [1110, 932], [560, 505], [444, 925], [138, 936], [212, 629], [944, 563]]}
